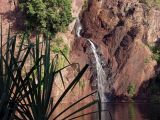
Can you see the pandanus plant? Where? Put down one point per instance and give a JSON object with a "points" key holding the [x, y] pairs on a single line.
{"points": [[25, 92]]}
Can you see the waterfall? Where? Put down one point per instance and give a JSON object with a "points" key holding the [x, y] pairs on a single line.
{"points": [[78, 27], [101, 75]]}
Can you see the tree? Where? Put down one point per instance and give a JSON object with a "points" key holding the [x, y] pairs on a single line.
{"points": [[46, 15]]}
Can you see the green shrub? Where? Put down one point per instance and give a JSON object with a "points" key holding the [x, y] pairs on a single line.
{"points": [[147, 60], [66, 50], [85, 5], [151, 2], [156, 52], [46, 15], [131, 89], [60, 46]]}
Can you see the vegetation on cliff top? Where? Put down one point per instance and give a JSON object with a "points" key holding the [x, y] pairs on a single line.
{"points": [[151, 2], [46, 16]]}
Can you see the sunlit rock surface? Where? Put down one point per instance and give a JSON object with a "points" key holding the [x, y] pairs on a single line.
{"points": [[122, 31]]}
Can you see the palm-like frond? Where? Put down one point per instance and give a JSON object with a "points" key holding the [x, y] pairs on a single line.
{"points": [[27, 95]]}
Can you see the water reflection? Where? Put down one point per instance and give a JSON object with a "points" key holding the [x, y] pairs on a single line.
{"points": [[130, 111], [118, 111]]}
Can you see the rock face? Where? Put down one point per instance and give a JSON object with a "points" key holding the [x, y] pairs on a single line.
{"points": [[121, 30]]}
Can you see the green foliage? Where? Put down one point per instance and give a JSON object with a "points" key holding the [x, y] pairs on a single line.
{"points": [[46, 15], [151, 2], [147, 60], [66, 50], [131, 89], [156, 52], [85, 5], [59, 47], [22, 97]]}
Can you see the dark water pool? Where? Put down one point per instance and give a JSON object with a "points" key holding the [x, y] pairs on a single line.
{"points": [[130, 111], [118, 111]]}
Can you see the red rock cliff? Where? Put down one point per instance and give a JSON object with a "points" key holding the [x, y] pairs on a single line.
{"points": [[121, 30]]}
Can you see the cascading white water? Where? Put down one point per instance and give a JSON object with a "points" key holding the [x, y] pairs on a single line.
{"points": [[101, 75], [78, 28]]}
